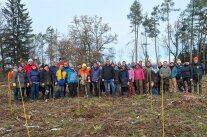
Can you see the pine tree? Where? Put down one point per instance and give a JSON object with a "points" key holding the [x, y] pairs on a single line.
{"points": [[135, 17], [18, 29]]}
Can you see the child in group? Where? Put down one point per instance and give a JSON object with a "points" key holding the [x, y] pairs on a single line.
{"points": [[34, 81], [18, 82], [61, 81]]}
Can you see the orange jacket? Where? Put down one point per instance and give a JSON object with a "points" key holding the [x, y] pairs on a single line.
{"points": [[10, 75], [83, 74]]}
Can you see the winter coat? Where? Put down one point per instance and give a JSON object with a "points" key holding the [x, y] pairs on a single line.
{"points": [[155, 78], [165, 71], [34, 76], [27, 69], [84, 74], [179, 72], [198, 69], [61, 75], [22, 79], [124, 77], [187, 71], [67, 70], [131, 74], [138, 74], [107, 72], [46, 77], [173, 72], [53, 70], [72, 76], [95, 74]]}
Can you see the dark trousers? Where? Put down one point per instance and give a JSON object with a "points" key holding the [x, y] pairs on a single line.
{"points": [[187, 85], [96, 88], [34, 91], [197, 81], [17, 93], [124, 90], [60, 91], [73, 89], [165, 83], [48, 91]]}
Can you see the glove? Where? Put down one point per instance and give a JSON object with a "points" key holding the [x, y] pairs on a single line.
{"points": [[128, 83], [43, 84], [14, 84], [27, 84], [55, 83], [152, 84], [103, 80]]}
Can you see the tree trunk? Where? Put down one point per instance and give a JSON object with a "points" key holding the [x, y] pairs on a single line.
{"points": [[191, 40], [135, 43], [156, 49]]}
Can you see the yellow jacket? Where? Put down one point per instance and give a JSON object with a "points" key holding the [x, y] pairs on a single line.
{"points": [[61, 75]]}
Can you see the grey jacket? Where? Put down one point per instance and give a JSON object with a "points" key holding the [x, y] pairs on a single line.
{"points": [[165, 71], [22, 79]]}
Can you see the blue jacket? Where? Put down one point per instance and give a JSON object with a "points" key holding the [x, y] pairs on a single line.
{"points": [[173, 73], [53, 70], [95, 74], [67, 70], [34, 76], [124, 77], [72, 76], [198, 69], [179, 72]]}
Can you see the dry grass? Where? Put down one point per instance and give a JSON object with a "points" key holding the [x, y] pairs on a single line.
{"points": [[185, 116]]}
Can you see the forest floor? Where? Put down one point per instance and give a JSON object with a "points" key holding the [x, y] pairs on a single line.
{"points": [[138, 116]]}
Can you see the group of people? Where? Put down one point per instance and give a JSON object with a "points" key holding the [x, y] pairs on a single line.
{"points": [[61, 79]]}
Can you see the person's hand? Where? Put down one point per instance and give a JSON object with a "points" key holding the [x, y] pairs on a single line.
{"points": [[132, 80], [191, 79], [113, 80], [152, 84], [55, 83], [128, 83], [103, 80], [43, 84], [161, 75], [14, 84], [28, 84]]}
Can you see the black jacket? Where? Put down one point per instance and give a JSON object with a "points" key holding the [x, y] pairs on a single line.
{"points": [[124, 77], [187, 71], [107, 72], [46, 77]]}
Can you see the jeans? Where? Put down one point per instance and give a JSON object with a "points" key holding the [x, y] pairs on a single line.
{"points": [[73, 89], [34, 91], [60, 91], [106, 82], [17, 93]]}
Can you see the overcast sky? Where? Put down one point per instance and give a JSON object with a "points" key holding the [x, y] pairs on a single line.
{"points": [[59, 14]]}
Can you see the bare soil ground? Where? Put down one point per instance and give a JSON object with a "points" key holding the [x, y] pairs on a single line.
{"points": [[185, 116]]}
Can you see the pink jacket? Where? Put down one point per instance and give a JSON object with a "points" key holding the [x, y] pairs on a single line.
{"points": [[131, 74], [139, 74]]}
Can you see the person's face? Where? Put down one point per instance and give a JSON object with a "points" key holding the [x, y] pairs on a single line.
{"points": [[171, 64], [137, 66], [148, 64], [95, 65], [84, 68], [34, 67], [46, 68], [165, 63], [23, 64], [195, 61], [30, 62], [53, 64], [72, 68], [61, 67], [79, 66], [108, 62], [20, 68], [65, 64]]}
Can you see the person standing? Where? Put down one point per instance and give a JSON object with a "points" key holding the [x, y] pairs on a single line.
{"points": [[34, 80], [198, 72], [178, 76], [155, 79], [124, 79], [108, 77], [131, 80], [46, 79], [61, 76], [18, 80], [72, 79], [164, 73], [53, 70], [172, 78], [187, 76], [27, 68], [95, 78], [117, 83], [139, 79]]}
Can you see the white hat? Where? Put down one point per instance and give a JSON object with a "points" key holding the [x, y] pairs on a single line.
{"points": [[179, 61], [30, 60]]}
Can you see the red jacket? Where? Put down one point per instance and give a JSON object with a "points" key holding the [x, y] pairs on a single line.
{"points": [[27, 69]]}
